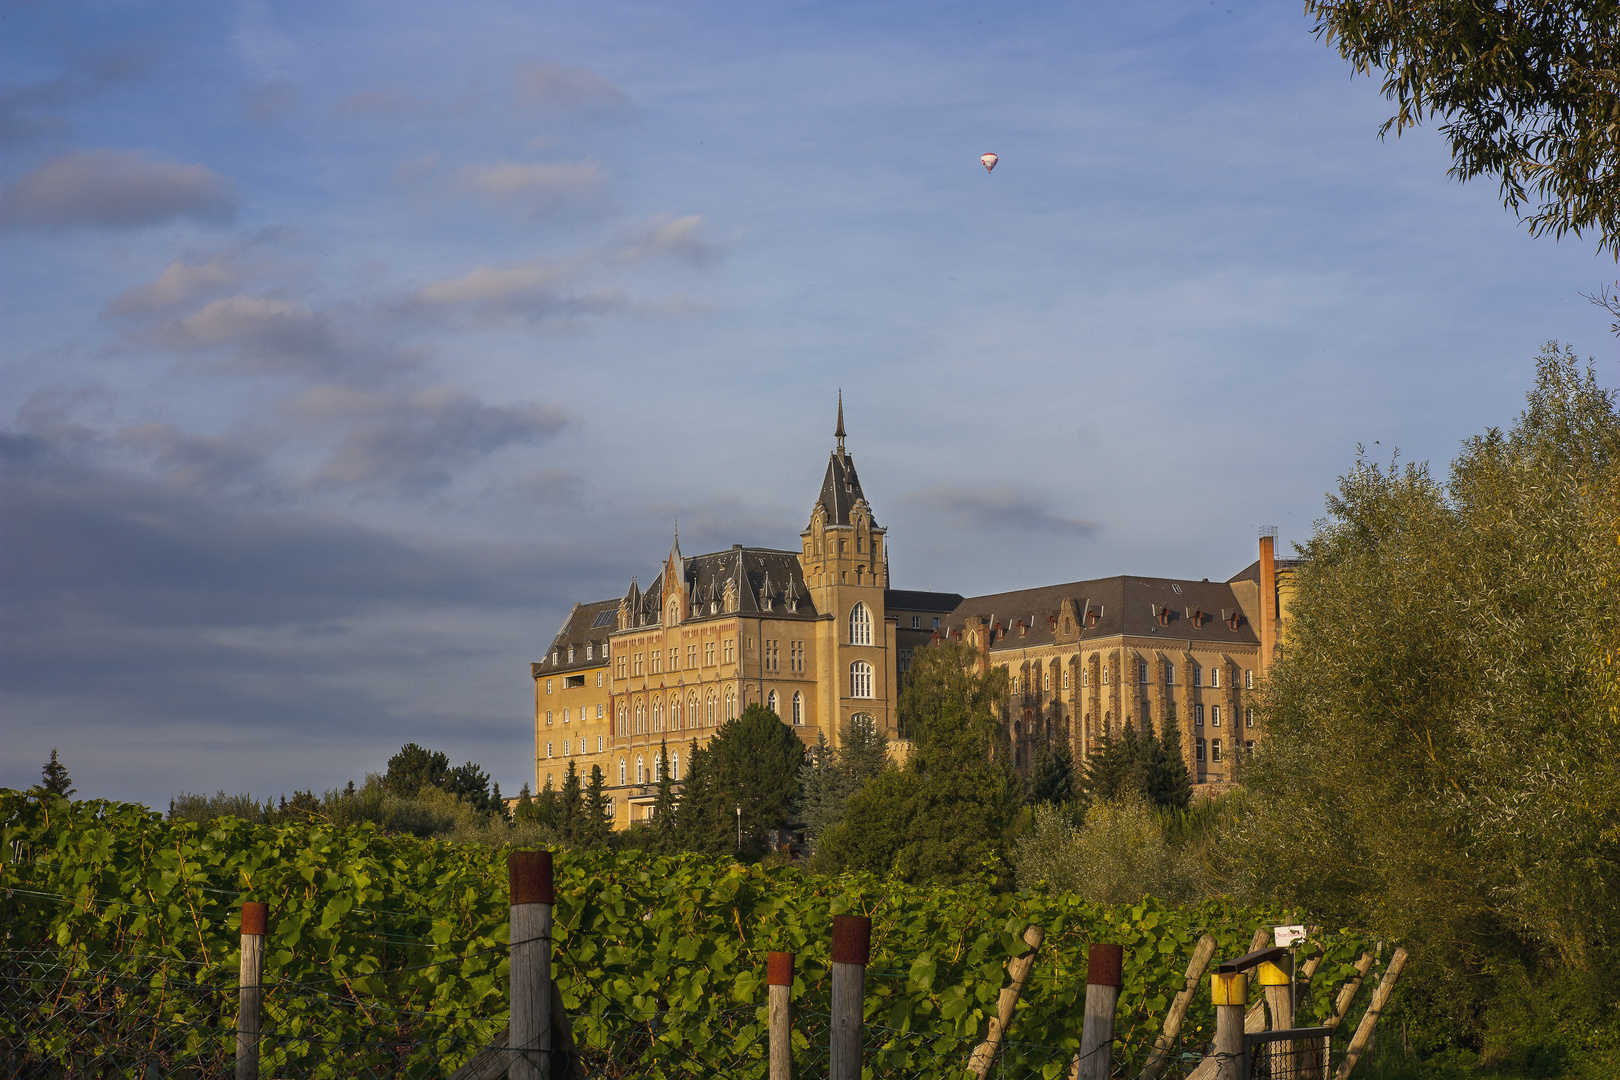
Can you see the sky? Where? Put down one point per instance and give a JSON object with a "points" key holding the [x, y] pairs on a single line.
{"points": [[347, 345]]}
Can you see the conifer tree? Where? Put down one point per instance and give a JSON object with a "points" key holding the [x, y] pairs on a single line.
{"points": [[525, 804], [1054, 779], [547, 812], [1169, 783], [664, 806], [597, 828], [573, 806], [55, 779]]}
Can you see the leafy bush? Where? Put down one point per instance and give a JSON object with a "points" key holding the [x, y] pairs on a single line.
{"points": [[1119, 855]]}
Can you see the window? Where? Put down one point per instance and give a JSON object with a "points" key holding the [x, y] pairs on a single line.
{"points": [[770, 702], [798, 709], [598, 678], [675, 765], [657, 661], [860, 679], [548, 686], [641, 771], [1046, 678], [1214, 716], [588, 651], [916, 622], [599, 744], [599, 712], [730, 649], [548, 716], [860, 625], [1248, 747], [674, 612], [548, 749], [640, 719], [773, 655], [573, 682], [731, 705], [624, 722], [1248, 680], [658, 768], [620, 669], [1143, 665], [611, 811], [674, 659], [1215, 675], [1105, 674], [635, 664], [708, 654], [570, 654], [1198, 716], [1065, 678], [621, 772], [657, 715], [1200, 746], [1198, 675], [691, 656], [1214, 749], [1248, 716], [1169, 674], [711, 709], [796, 656], [565, 748], [936, 624]]}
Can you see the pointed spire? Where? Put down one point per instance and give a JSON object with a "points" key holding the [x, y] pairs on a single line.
{"points": [[839, 433]]}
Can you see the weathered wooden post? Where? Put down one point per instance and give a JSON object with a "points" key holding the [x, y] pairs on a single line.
{"points": [[530, 1034], [250, 988], [779, 978], [1230, 992], [1369, 1020], [1095, 1061], [1276, 978], [1201, 956], [1018, 969], [851, 948], [1347, 992]]}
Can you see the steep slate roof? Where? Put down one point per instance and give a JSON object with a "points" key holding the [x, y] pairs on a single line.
{"points": [[1252, 571], [767, 580], [916, 600], [587, 624], [840, 489], [1125, 605]]}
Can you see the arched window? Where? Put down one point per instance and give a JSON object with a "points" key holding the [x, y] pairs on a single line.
{"points": [[770, 703], [674, 612], [621, 772], [641, 771], [675, 765], [860, 679], [731, 705], [860, 625], [657, 715], [624, 727], [640, 718], [674, 714], [798, 709], [658, 768], [711, 708]]}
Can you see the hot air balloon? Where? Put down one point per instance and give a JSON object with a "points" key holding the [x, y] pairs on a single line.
{"points": [[988, 161]]}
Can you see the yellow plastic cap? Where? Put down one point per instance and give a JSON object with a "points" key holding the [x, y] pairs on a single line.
{"points": [[1230, 989]]}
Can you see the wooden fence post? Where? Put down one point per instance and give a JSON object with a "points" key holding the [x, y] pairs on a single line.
{"points": [[1369, 1019], [1278, 987], [851, 949], [1095, 1061], [1347, 993], [1230, 993], [1178, 1009], [250, 988], [529, 930], [779, 977], [1018, 969]]}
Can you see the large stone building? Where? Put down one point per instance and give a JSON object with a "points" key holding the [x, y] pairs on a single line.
{"points": [[817, 635]]}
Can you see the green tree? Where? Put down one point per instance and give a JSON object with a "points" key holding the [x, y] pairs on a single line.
{"points": [[1441, 761], [54, 777], [1113, 770], [1165, 780], [470, 783], [828, 778], [525, 811], [571, 811], [751, 763], [949, 811], [1053, 782], [596, 830], [663, 826], [1528, 90], [415, 767]]}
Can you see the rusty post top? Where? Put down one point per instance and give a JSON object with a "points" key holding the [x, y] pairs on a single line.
{"points": [[852, 939], [1103, 965], [255, 917], [779, 969], [528, 874]]}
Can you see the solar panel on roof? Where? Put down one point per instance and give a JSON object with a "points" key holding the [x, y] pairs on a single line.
{"points": [[603, 618]]}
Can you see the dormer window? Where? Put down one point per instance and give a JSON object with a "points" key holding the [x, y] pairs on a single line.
{"points": [[1091, 619], [588, 651], [570, 654], [1235, 620], [1164, 616], [553, 656]]}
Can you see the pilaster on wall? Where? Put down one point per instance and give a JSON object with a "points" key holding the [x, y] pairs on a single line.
{"points": [[1189, 748]]}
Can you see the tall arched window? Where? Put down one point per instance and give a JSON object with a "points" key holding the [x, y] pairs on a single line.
{"points": [[860, 625], [674, 612], [711, 708], [798, 709], [641, 719], [731, 705], [675, 765], [621, 772], [674, 714], [657, 715], [658, 768], [770, 703], [860, 679], [641, 771], [624, 727]]}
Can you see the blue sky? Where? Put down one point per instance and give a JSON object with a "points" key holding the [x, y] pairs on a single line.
{"points": [[346, 345]]}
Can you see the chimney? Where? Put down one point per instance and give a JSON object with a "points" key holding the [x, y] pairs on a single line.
{"points": [[1268, 596]]}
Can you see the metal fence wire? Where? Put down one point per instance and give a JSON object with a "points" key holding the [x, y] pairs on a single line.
{"points": [[67, 1014]]}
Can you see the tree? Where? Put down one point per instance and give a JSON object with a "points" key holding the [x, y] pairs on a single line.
{"points": [[828, 778], [54, 778], [1166, 781], [1528, 90], [572, 806], [471, 783], [1112, 769], [663, 826], [751, 763], [1441, 761], [597, 827], [525, 811], [414, 767], [1054, 779], [949, 811]]}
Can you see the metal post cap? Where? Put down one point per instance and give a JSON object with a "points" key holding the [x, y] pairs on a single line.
{"points": [[528, 876], [779, 969]]}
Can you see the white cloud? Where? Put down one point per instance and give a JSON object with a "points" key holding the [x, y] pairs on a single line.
{"points": [[180, 285], [534, 189], [539, 289], [115, 189], [678, 237]]}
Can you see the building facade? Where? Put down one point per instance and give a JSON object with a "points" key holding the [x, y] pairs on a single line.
{"points": [[817, 635]]}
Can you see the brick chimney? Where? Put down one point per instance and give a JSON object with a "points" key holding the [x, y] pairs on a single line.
{"points": [[1268, 596]]}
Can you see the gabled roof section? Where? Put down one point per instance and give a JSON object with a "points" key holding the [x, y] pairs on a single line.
{"points": [[840, 489], [762, 579], [584, 626], [1128, 606], [917, 600]]}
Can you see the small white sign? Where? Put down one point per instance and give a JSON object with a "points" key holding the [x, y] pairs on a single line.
{"points": [[1286, 936]]}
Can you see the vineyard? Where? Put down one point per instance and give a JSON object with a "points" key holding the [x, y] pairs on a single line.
{"points": [[387, 955]]}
